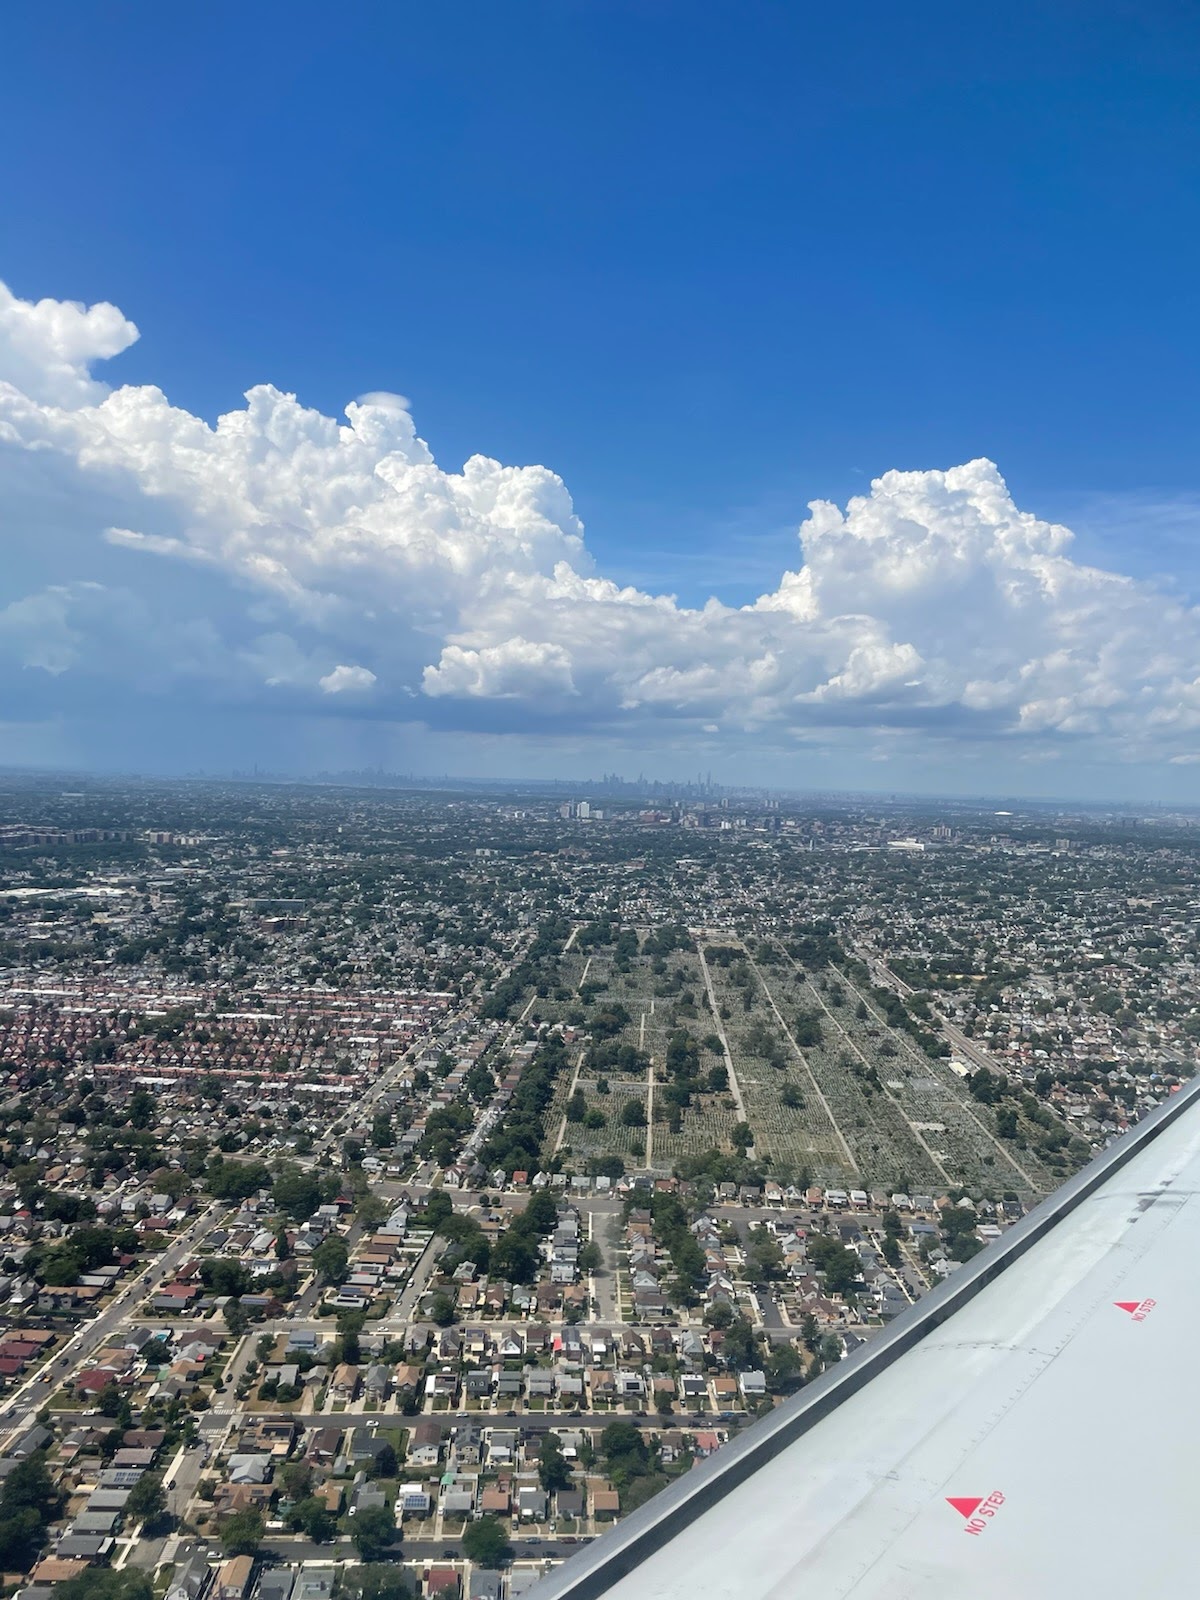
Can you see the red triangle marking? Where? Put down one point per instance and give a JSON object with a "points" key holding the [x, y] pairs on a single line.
{"points": [[965, 1505], [1127, 1305]]}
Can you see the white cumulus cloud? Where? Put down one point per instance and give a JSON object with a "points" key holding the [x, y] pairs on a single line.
{"points": [[47, 347], [514, 669], [932, 603], [347, 680]]}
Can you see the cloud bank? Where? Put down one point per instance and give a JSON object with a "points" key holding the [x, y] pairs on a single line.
{"points": [[343, 571]]}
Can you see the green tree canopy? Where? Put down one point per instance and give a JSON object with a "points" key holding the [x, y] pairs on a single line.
{"points": [[29, 1502], [147, 1499], [485, 1542], [313, 1518], [242, 1533], [103, 1583], [380, 1581], [331, 1258], [296, 1192], [374, 1530], [553, 1468]]}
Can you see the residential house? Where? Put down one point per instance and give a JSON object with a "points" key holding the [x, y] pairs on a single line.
{"points": [[275, 1584], [531, 1503], [477, 1383], [412, 1500], [569, 1503], [425, 1445], [344, 1382], [606, 1502], [233, 1578], [323, 1446], [458, 1499]]}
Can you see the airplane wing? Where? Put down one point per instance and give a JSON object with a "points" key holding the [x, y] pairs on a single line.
{"points": [[1030, 1429]]}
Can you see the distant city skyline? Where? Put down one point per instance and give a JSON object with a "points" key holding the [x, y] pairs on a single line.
{"points": [[655, 791]]}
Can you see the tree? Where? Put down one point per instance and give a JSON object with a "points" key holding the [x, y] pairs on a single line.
{"points": [[663, 1403], [331, 1258], [374, 1531], [621, 1443], [236, 1180], [371, 1212], [350, 1327], [22, 1535], [29, 1502], [590, 1257], [439, 1208], [839, 1265], [764, 1259], [577, 1106], [313, 1518], [441, 1310], [958, 1228], [383, 1464], [486, 1542], [633, 1114], [242, 1533], [296, 1192], [225, 1278], [156, 1353], [110, 1400], [380, 1581], [741, 1137], [147, 1499], [784, 1370], [295, 1479], [1006, 1122], [985, 1085], [741, 1347], [553, 1467], [808, 1032], [237, 1318], [141, 1108], [103, 1583], [515, 1256]]}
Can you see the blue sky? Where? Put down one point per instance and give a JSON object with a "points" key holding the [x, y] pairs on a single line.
{"points": [[704, 262]]}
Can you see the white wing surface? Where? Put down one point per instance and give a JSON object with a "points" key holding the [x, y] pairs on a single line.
{"points": [[1030, 1430]]}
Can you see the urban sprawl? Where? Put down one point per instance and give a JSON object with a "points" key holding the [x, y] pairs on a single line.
{"points": [[399, 1187]]}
